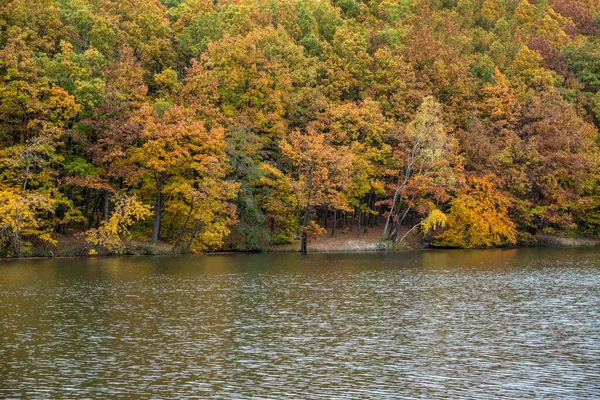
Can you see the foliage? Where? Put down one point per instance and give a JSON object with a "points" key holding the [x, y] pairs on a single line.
{"points": [[21, 219], [320, 176], [426, 156], [478, 217], [434, 220], [109, 236], [247, 123]]}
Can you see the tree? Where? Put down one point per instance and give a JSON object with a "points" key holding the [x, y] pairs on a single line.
{"points": [[562, 162], [320, 172], [425, 159], [22, 218], [361, 128], [110, 128], [478, 217], [178, 151], [275, 191], [109, 236]]}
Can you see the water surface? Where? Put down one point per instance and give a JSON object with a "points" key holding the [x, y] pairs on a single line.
{"points": [[434, 324]]}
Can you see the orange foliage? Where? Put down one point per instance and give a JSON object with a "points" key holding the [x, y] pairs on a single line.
{"points": [[478, 217]]}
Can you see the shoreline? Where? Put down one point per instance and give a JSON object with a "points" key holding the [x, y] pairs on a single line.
{"points": [[342, 246]]}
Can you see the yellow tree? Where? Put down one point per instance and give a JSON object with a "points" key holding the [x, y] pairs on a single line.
{"points": [[22, 217], [34, 115], [200, 212], [179, 152], [478, 217], [250, 80], [109, 235]]}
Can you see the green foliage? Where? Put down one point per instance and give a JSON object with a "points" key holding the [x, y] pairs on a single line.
{"points": [[583, 57]]}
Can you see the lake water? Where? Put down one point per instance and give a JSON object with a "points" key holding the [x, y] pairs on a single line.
{"points": [[434, 324]]}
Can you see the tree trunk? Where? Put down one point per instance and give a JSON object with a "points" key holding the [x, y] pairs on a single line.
{"points": [[188, 247], [326, 217], [391, 212], [187, 219], [359, 218], [372, 207], [95, 212], [105, 198], [334, 223], [304, 238], [85, 208], [157, 209], [27, 172], [60, 214], [17, 235], [409, 231]]}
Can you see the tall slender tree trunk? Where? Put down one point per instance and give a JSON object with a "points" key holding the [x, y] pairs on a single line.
{"points": [[95, 215], [188, 247], [157, 210], [304, 238], [105, 199], [391, 212], [306, 221], [372, 207], [85, 208], [359, 218], [334, 223]]}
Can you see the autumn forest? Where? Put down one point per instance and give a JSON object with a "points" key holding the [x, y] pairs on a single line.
{"points": [[244, 124]]}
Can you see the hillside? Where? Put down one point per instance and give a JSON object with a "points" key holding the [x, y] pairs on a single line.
{"points": [[241, 125]]}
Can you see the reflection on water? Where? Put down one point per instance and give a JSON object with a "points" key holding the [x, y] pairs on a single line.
{"points": [[438, 324]]}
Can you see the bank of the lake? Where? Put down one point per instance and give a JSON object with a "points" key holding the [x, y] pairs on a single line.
{"points": [[74, 245]]}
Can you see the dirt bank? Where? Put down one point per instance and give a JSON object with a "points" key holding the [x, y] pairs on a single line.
{"points": [[371, 240]]}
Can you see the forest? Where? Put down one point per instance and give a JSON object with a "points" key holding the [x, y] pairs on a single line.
{"points": [[242, 124]]}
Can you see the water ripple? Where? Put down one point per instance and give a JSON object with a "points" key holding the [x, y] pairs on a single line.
{"points": [[480, 325]]}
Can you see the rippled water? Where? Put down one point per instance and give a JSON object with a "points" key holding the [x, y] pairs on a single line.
{"points": [[443, 324]]}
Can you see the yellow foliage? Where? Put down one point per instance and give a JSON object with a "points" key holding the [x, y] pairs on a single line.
{"points": [[479, 218], [434, 220], [528, 70], [20, 217], [109, 235], [313, 230], [492, 10], [524, 13]]}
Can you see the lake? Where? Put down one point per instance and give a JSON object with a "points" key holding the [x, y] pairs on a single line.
{"points": [[478, 324]]}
